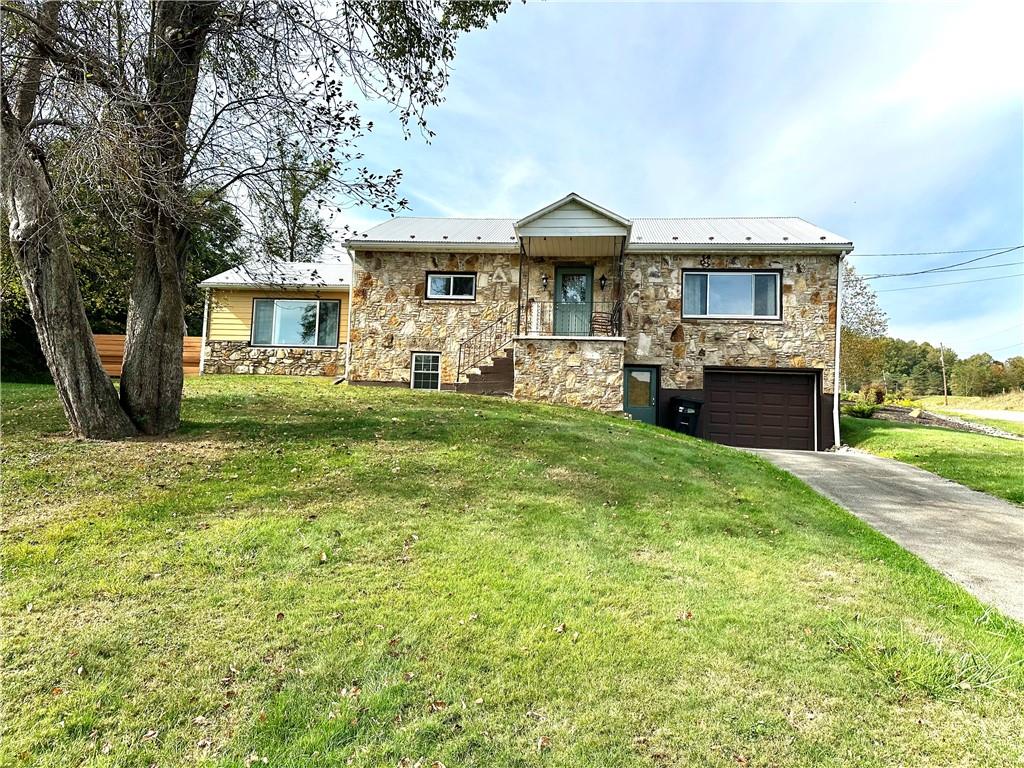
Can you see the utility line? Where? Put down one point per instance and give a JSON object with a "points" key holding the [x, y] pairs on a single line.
{"points": [[961, 269], [938, 285], [1008, 346], [855, 255], [993, 333], [945, 267]]}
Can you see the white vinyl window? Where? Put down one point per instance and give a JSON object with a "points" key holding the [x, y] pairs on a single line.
{"points": [[732, 294], [451, 286], [426, 370], [295, 323]]}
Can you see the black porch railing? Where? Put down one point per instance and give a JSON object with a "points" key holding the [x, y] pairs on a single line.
{"points": [[557, 318], [486, 342]]}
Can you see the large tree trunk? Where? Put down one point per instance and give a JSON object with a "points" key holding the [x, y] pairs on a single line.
{"points": [[44, 263], [151, 379]]}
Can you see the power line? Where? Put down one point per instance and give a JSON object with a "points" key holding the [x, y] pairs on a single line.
{"points": [[961, 269], [855, 255], [946, 267], [1008, 346], [995, 332], [961, 282]]}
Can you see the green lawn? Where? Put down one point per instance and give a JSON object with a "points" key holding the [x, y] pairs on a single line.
{"points": [[991, 464], [324, 576], [1009, 401]]}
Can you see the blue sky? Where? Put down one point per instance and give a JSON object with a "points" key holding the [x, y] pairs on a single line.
{"points": [[899, 126]]}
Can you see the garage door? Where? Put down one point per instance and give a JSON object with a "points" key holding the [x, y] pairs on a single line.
{"points": [[760, 409]]}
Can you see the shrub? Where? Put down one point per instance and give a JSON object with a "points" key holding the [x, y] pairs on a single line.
{"points": [[873, 393], [860, 410]]}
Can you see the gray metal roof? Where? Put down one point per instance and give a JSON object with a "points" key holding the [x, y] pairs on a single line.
{"points": [[753, 230], [263, 274], [767, 231]]}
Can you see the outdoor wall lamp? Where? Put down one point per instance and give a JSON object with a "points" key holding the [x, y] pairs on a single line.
{"points": [[544, 280], [603, 282]]}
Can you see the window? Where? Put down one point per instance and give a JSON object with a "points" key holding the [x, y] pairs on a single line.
{"points": [[426, 370], [295, 323], [731, 294], [452, 286]]}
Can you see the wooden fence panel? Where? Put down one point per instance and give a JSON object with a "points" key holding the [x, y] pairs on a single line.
{"points": [[111, 349]]}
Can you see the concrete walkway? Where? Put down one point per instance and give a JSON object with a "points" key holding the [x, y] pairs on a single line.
{"points": [[973, 538]]}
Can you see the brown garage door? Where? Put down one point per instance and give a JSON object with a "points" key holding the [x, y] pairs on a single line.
{"points": [[759, 409]]}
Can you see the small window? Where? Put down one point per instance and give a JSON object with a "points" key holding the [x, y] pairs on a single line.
{"points": [[426, 370], [295, 323], [451, 286], [731, 294]]}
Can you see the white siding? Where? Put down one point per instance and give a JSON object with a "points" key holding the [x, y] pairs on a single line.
{"points": [[572, 220]]}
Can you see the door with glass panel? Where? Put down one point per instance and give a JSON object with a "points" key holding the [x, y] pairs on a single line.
{"points": [[574, 301], [640, 399]]}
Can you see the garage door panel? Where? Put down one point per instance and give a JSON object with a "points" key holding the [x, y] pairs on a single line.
{"points": [[760, 409]]}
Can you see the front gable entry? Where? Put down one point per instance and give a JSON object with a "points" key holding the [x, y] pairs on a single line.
{"points": [[573, 216]]}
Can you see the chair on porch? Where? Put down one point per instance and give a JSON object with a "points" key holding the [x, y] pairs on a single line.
{"points": [[607, 323]]}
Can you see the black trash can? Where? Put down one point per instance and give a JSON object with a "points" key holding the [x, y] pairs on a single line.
{"points": [[685, 415]]}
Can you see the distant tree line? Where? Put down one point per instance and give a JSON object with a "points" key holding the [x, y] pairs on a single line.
{"points": [[870, 358]]}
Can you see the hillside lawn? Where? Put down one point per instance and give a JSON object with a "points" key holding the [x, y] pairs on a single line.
{"points": [[993, 465], [324, 575], [1008, 401]]}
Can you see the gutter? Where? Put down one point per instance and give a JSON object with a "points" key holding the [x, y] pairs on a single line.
{"points": [[836, 437], [202, 342]]}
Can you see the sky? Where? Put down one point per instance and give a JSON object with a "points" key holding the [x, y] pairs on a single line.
{"points": [[900, 127]]}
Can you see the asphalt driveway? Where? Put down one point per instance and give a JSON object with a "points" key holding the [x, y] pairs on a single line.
{"points": [[975, 539]]}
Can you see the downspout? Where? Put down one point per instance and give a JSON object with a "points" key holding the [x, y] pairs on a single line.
{"points": [[836, 437], [202, 341], [348, 329]]}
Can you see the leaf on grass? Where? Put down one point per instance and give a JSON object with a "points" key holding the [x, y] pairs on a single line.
{"points": [[560, 628], [437, 705], [543, 743]]}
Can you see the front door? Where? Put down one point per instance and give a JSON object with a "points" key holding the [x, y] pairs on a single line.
{"points": [[641, 395], [573, 300]]}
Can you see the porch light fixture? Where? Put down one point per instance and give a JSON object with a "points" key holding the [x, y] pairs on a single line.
{"points": [[603, 282], [544, 280]]}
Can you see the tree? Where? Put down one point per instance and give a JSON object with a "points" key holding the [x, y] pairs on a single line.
{"points": [[159, 100], [976, 375], [864, 324], [292, 227]]}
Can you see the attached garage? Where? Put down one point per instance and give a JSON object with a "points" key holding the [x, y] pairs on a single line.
{"points": [[761, 408]]}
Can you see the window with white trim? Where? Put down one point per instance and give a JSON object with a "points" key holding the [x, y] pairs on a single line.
{"points": [[732, 294], [426, 370], [453, 286], [295, 323]]}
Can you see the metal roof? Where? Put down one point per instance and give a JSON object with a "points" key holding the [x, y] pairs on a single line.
{"points": [[752, 230], [646, 233], [264, 274]]}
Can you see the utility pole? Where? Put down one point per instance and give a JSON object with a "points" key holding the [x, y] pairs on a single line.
{"points": [[942, 359]]}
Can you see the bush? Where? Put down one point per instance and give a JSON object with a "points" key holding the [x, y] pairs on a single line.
{"points": [[860, 410], [873, 393]]}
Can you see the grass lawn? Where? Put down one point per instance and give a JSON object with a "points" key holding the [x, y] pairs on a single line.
{"points": [[323, 576], [1010, 401], [991, 464]]}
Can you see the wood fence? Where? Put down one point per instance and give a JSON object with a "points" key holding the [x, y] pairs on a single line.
{"points": [[111, 349]]}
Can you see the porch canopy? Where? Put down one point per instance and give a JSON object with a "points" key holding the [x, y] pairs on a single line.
{"points": [[573, 228]]}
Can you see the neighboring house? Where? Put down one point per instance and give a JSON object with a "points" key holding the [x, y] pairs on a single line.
{"points": [[572, 304], [287, 318]]}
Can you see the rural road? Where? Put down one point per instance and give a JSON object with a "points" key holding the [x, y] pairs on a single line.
{"points": [[982, 414], [975, 539]]}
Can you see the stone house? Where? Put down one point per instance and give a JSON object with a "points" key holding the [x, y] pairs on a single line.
{"points": [[578, 305]]}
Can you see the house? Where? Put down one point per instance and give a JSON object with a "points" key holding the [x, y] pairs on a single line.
{"points": [[286, 318], [579, 305]]}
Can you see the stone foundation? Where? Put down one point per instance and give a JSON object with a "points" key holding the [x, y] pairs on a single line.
{"points": [[585, 373], [239, 357]]}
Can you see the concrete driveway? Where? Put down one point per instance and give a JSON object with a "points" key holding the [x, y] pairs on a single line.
{"points": [[975, 539]]}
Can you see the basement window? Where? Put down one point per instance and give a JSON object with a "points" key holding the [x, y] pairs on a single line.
{"points": [[426, 370], [732, 295], [295, 323], [451, 286]]}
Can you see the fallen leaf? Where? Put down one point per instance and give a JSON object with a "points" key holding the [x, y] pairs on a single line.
{"points": [[560, 628], [479, 701], [543, 743], [280, 615], [150, 735], [323, 557], [437, 705]]}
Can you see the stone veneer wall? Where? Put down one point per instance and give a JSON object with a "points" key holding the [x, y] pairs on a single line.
{"points": [[239, 357], [580, 372], [658, 335], [391, 319]]}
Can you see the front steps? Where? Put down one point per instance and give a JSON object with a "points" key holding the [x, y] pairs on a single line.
{"points": [[498, 378]]}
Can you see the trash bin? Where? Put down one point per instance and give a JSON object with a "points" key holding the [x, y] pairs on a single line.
{"points": [[685, 414]]}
